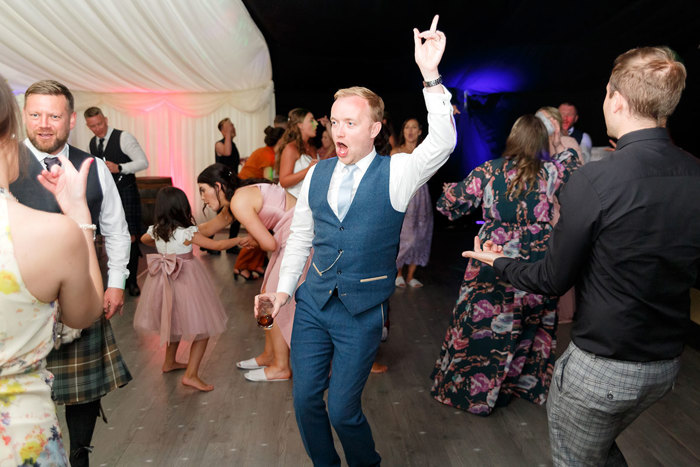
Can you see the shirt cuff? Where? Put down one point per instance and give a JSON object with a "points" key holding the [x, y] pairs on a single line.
{"points": [[116, 281], [501, 264], [287, 286], [438, 103]]}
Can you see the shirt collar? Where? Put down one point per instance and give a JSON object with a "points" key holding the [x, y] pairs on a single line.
{"points": [[40, 156], [641, 135], [108, 134], [363, 163]]}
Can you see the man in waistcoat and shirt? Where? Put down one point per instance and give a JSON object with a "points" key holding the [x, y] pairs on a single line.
{"points": [[90, 366], [350, 210], [629, 238], [569, 117], [124, 157]]}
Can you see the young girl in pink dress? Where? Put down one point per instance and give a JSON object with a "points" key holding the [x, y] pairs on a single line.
{"points": [[178, 300]]}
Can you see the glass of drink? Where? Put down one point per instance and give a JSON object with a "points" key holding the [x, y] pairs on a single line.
{"points": [[265, 308]]}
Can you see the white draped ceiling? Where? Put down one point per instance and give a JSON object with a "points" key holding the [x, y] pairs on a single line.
{"points": [[166, 71]]}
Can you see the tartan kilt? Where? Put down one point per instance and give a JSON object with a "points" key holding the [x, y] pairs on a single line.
{"points": [[131, 201], [89, 367]]}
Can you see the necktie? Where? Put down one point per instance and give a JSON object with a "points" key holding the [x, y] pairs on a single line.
{"points": [[345, 191], [101, 148], [50, 162]]}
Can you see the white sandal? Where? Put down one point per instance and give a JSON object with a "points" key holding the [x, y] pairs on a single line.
{"points": [[250, 364], [415, 283], [259, 375], [400, 282]]}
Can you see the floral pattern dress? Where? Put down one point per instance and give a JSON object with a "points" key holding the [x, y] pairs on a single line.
{"points": [[500, 341], [29, 431]]}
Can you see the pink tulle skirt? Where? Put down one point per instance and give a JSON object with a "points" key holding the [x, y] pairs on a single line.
{"points": [[178, 300]]}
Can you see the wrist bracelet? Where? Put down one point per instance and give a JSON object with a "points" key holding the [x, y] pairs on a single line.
{"points": [[92, 227], [435, 82]]}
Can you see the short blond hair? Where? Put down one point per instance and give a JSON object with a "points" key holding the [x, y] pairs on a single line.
{"points": [[651, 79], [376, 104]]}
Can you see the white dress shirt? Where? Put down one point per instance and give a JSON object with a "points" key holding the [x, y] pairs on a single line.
{"points": [[586, 146], [112, 221], [407, 173], [131, 148]]}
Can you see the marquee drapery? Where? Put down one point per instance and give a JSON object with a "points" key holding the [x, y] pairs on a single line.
{"points": [[166, 71]]}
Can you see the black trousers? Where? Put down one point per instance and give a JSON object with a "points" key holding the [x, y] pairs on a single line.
{"points": [[81, 419], [233, 230]]}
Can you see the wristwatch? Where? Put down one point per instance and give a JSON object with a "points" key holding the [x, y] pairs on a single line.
{"points": [[435, 82]]}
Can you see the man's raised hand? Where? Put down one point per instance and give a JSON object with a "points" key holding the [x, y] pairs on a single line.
{"points": [[429, 47]]}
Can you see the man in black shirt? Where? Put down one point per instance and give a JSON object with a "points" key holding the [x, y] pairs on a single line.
{"points": [[629, 239]]}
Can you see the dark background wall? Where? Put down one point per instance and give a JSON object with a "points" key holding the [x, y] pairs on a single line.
{"points": [[511, 57]]}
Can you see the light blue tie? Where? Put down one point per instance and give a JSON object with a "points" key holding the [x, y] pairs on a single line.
{"points": [[345, 191]]}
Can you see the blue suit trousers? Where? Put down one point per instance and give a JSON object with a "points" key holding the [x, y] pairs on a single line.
{"points": [[334, 350]]}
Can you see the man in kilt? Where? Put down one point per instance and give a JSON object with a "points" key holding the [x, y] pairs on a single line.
{"points": [[90, 366], [124, 157]]}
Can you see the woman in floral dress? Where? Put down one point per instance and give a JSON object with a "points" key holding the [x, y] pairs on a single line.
{"points": [[43, 257], [500, 341]]}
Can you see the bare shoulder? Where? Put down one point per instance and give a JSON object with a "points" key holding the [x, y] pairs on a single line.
{"points": [[43, 243], [36, 227], [246, 197]]}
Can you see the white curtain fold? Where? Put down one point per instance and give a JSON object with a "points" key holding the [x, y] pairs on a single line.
{"points": [[166, 71]]}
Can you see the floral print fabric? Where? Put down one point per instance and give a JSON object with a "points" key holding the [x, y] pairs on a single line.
{"points": [[29, 431], [500, 341]]}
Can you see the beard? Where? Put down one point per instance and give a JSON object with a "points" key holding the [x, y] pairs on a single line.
{"points": [[49, 147]]}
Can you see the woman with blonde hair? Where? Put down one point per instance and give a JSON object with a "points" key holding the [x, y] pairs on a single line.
{"points": [[500, 341], [558, 139]]}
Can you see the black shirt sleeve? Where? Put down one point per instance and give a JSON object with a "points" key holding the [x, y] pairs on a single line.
{"points": [[569, 246]]}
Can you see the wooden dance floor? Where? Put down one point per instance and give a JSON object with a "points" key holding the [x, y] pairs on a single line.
{"points": [[155, 420]]}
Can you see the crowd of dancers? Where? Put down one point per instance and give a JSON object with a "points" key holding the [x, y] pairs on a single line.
{"points": [[330, 229]]}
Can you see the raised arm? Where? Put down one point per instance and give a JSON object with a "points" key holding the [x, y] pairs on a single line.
{"points": [[429, 47], [410, 171]]}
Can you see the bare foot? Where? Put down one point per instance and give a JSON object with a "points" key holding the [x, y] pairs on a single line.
{"points": [[173, 366], [272, 372], [379, 368], [197, 383]]}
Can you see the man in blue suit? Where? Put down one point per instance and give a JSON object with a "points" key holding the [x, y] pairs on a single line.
{"points": [[350, 210]]}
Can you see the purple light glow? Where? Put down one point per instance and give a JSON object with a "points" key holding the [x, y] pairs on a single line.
{"points": [[488, 80]]}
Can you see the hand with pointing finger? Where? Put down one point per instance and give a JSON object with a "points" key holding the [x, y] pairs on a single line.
{"points": [[429, 47]]}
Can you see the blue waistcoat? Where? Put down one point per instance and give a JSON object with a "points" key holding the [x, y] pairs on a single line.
{"points": [[358, 255]]}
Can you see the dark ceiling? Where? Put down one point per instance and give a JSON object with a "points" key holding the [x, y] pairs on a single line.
{"points": [[554, 51]]}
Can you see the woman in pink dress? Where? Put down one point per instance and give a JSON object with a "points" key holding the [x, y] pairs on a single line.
{"points": [[261, 208]]}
